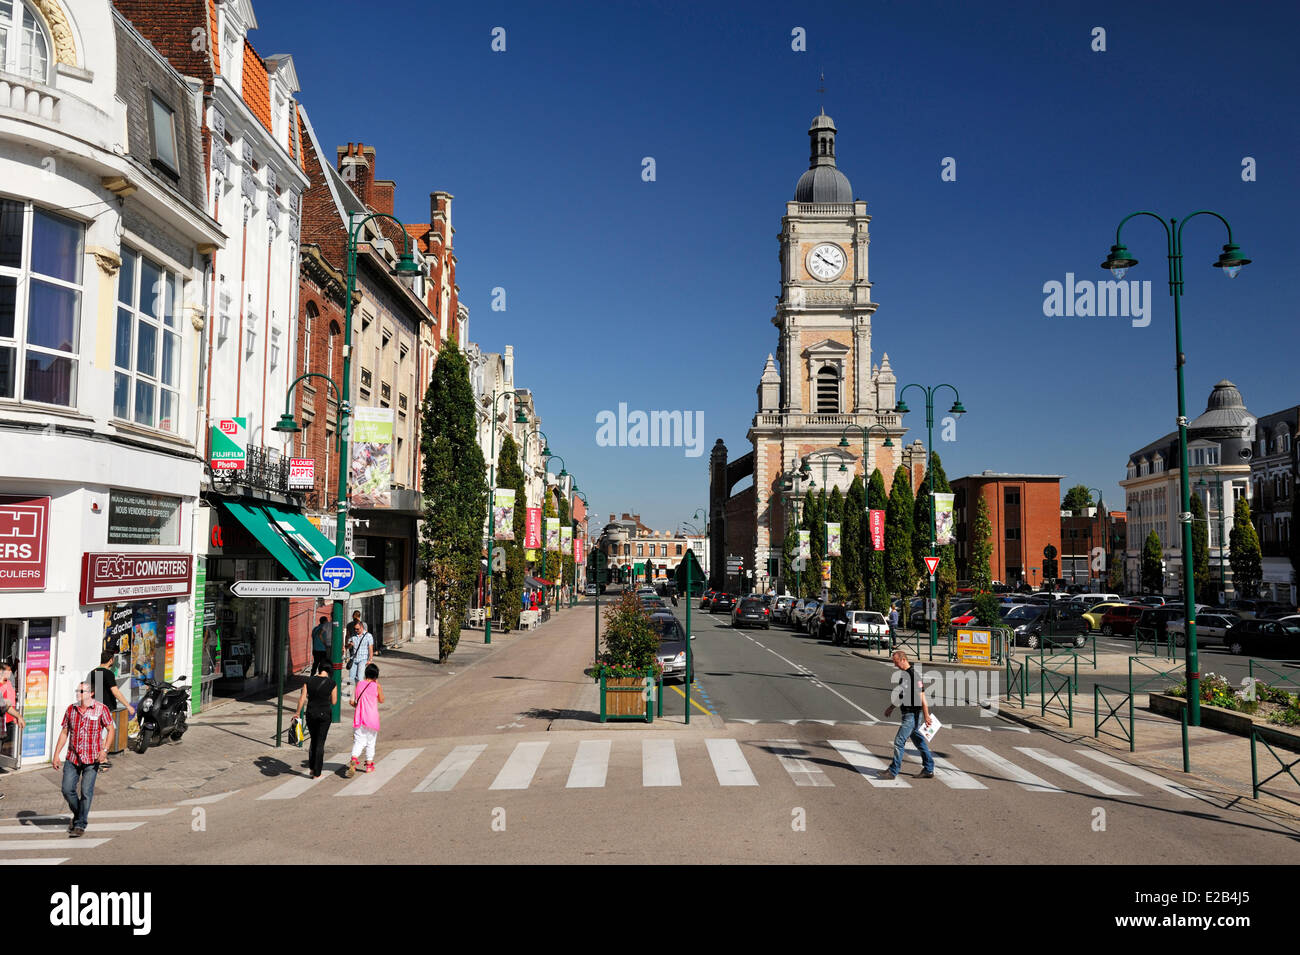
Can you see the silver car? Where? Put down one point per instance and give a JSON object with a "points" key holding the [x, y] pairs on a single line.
{"points": [[803, 612], [672, 646]]}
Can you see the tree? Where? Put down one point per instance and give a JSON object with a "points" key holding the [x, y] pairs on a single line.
{"points": [[554, 564], [835, 515], [1153, 558], [790, 554], [946, 577], [511, 586], [1200, 550], [981, 547], [1243, 553], [878, 590], [455, 494], [813, 508], [1077, 498], [900, 569], [852, 544], [568, 571]]}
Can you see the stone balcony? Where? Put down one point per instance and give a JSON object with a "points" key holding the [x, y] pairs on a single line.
{"points": [[27, 96], [765, 419]]}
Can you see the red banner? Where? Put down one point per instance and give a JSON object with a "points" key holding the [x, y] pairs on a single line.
{"points": [[877, 519], [533, 529], [578, 556], [24, 535]]}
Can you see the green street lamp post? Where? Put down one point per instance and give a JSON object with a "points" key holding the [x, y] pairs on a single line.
{"points": [[562, 475], [573, 589], [956, 409], [1231, 261], [406, 267], [690, 666], [520, 418]]}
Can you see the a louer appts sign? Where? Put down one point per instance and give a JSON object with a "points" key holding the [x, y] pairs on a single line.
{"points": [[106, 578]]}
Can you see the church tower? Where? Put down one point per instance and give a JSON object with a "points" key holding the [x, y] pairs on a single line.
{"points": [[826, 386]]}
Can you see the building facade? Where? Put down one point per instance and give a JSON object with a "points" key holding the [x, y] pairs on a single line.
{"points": [[1273, 473], [1024, 511]]}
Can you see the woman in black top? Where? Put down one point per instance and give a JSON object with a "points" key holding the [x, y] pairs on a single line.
{"points": [[319, 694]]}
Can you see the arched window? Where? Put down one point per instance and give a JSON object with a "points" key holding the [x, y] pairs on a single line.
{"points": [[24, 47], [828, 391]]}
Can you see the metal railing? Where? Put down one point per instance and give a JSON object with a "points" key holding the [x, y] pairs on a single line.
{"points": [[1284, 679], [1257, 784], [1046, 682], [1147, 636], [1000, 643]]}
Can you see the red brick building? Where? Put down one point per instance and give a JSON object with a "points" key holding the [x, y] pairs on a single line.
{"points": [[1025, 513]]}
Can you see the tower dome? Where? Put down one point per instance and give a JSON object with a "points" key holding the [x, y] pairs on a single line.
{"points": [[823, 182]]}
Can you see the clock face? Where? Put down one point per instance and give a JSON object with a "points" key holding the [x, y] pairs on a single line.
{"points": [[826, 262]]}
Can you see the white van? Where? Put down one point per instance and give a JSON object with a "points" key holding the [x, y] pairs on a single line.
{"points": [[1089, 600]]}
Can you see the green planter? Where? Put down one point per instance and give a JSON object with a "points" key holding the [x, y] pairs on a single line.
{"points": [[627, 697]]}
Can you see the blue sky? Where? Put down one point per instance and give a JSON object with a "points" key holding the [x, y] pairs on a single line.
{"points": [[660, 294]]}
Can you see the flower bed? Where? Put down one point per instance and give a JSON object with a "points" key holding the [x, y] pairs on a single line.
{"points": [[1254, 698]]}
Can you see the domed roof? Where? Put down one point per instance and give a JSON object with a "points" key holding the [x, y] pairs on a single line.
{"points": [[1224, 412], [823, 184], [822, 121]]}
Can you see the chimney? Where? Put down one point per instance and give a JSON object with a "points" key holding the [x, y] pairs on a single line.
{"points": [[510, 366], [356, 164], [382, 194]]}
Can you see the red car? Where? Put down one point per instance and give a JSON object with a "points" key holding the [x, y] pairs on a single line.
{"points": [[1120, 621]]}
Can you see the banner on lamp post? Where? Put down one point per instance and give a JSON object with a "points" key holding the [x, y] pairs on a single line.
{"points": [[579, 550], [372, 457], [805, 545], [943, 519], [503, 513], [533, 529], [552, 533], [832, 539], [877, 520], [826, 573]]}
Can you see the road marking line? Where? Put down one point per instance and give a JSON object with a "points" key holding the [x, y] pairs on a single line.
{"points": [[368, 784], [1021, 777], [702, 709], [203, 800], [589, 765], [518, 771], [659, 763], [65, 818], [36, 861], [790, 753], [10, 829], [1074, 771], [945, 771], [729, 763], [866, 763], [836, 692], [299, 785], [64, 843], [1136, 772], [449, 772]]}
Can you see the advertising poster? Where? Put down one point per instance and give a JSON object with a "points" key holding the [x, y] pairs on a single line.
{"points": [[143, 519], [943, 519], [117, 628], [533, 529], [503, 513], [229, 442], [169, 667], [805, 545], [826, 572], [36, 692], [832, 539], [24, 532], [372, 457], [530, 554], [566, 538], [144, 645], [302, 472], [552, 533], [877, 520]]}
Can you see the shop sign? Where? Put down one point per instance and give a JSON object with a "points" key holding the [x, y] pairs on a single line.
{"points": [[143, 519], [229, 444], [24, 533], [302, 472], [106, 578]]}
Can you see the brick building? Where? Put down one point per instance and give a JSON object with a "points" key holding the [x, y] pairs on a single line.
{"points": [[1025, 513]]}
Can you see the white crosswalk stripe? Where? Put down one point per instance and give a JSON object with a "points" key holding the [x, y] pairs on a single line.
{"points": [[300, 784], [729, 763], [367, 784], [17, 828], [50, 861], [1077, 772], [944, 771], [449, 772], [520, 767], [27, 845], [590, 765], [792, 755], [869, 765], [1021, 777], [659, 763], [1136, 772]]}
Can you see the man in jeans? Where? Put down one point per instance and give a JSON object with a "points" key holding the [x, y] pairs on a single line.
{"points": [[83, 730], [913, 707]]}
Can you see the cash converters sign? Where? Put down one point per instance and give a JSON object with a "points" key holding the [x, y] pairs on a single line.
{"points": [[106, 578], [24, 533]]}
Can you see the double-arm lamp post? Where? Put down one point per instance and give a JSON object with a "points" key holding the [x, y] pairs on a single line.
{"points": [[690, 667], [573, 522], [956, 409], [866, 476], [1231, 261], [545, 493], [520, 418], [406, 267]]}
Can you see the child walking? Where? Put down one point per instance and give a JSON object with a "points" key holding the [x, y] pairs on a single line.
{"points": [[365, 721]]}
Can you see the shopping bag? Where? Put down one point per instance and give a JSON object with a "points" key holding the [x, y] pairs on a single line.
{"points": [[929, 729], [297, 731]]}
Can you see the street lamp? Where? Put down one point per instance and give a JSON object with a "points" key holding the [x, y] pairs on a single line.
{"points": [[956, 409], [574, 524], [562, 475], [1231, 261], [690, 669], [520, 418], [866, 474], [406, 268]]}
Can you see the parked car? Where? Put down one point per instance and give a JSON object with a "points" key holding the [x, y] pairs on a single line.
{"points": [[781, 609], [803, 611], [1157, 618], [1153, 600], [1265, 638], [1120, 621], [822, 624], [706, 599], [672, 646], [722, 602], [867, 625], [1211, 627], [1089, 600], [750, 611], [1094, 613]]}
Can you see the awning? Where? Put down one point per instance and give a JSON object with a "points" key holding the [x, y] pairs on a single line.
{"points": [[295, 543], [538, 582]]}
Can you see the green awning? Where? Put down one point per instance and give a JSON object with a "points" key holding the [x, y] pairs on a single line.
{"points": [[295, 543]]}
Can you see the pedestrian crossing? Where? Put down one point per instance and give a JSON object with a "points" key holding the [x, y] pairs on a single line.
{"points": [[49, 834], [667, 764]]}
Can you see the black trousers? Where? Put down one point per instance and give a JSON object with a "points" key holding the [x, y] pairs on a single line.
{"points": [[319, 729]]}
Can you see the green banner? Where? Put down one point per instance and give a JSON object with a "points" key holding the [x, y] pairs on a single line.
{"points": [[200, 593], [229, 442]]}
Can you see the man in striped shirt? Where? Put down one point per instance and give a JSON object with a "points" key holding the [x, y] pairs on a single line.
{"points": [[84, 724]]}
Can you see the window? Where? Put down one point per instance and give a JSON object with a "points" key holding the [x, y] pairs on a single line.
{"points": [[162, 126], [1011, 497], [663, 550], [40, 303], [640, 550], [147, 355], [1013, 533], [24, 49], [828, 391], [679, 550]]}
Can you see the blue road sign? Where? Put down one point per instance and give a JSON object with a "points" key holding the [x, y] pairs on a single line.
{"points": [[338, 572]]}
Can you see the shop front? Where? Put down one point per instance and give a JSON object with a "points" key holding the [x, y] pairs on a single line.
{"points": [[386, 549]]}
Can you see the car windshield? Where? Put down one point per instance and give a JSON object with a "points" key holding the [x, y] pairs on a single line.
{"points": [[666, 627], [1024, 612], [867, 616]]}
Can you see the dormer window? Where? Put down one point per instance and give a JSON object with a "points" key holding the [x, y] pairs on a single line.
{"points": [[24, 48], [162, 129]]}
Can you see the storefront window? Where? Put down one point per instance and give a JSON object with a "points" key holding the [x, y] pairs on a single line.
{"points": [[142, 636], [239, 642]]}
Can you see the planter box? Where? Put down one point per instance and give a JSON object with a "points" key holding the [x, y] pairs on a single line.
{"points": [[1227, 721], [625, 698]]}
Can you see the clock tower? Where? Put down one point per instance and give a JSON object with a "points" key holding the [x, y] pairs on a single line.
{"points": [[821, 385]]}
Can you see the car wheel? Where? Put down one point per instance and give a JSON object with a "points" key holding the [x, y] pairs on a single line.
{"points": [[1235, 647], [1180, 639], [1108, 630], [1079, 640], [1031, 641]]}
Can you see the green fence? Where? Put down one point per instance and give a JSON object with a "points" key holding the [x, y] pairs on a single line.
{"points": [[1047, 680], [1258, 735], [1017, 674], [1276, 677], [1117, 701], [917, 645], [1148, 637]]}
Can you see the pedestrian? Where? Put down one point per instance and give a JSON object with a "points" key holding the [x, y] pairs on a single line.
{"points": [[361, 645], [533, 600], [9, 701], [365, 719], [103, 682], [320, 643], [83, 729], [893, 623], [318, 696], [912, 707]]}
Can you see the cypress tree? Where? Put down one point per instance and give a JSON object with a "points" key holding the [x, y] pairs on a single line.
{"points": [[554, 565], [900, 569], [1153, 556], [981, 547], [455, 494], [878, 590], [1243, 554], [835, 515], [853, 559], [510, 585], [1200, 550]]}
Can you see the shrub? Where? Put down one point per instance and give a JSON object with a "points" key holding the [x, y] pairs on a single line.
{"points": [[629, 642]]}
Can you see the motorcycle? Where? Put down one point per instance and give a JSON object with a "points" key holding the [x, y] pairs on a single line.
{"points": [[162, 713]]}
